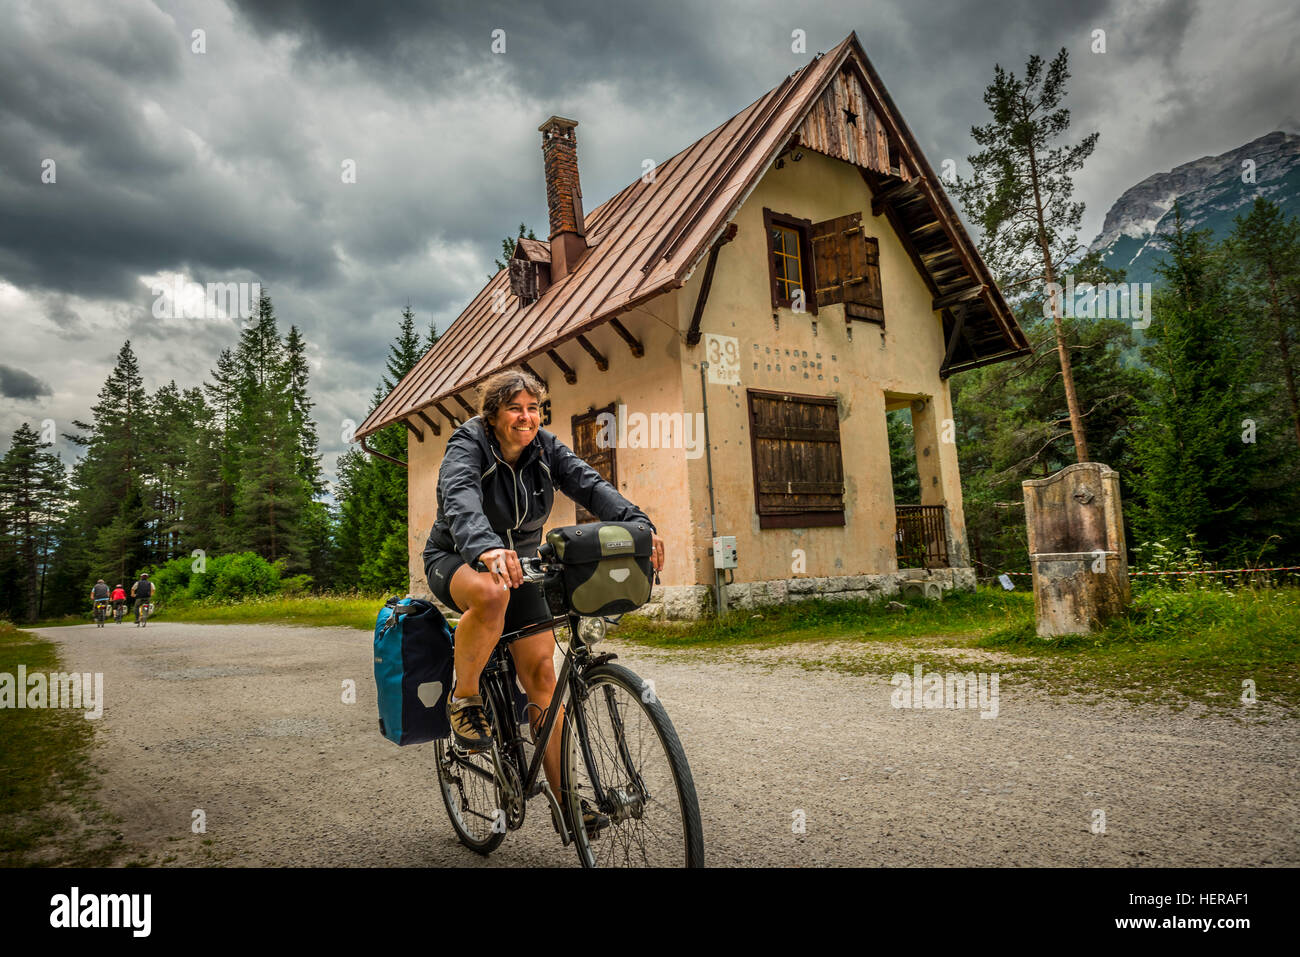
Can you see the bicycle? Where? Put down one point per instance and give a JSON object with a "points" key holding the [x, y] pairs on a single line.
{"points": [[142, 614], [618, 749], [119, 611], [101, 611]]}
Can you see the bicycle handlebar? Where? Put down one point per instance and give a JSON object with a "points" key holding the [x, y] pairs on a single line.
{"points": [[534, 569]]}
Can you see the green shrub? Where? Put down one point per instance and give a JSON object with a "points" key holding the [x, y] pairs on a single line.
{"points": [[241, 576], [172, 578]]}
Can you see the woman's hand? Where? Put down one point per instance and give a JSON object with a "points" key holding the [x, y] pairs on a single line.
{"points": [[656, 552], [503, 565]]}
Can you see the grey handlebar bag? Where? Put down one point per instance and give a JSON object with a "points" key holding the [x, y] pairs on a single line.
{"points": [[605, 566]]}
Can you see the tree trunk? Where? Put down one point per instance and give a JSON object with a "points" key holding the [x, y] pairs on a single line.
{"points": [[1049, 275]]}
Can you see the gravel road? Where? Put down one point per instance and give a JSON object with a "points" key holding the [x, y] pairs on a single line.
{"points": [[247, 723]]}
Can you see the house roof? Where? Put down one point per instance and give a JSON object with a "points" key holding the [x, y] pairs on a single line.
{"points": [[648, 238]]}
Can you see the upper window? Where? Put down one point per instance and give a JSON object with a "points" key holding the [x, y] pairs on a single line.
{"points": [[790, 261]]}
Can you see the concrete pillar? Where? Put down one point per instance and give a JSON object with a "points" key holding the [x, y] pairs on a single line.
{"points": [[1076, 548]]}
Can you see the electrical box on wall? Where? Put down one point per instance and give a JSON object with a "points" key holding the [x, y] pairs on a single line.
{"points": [[724, 551]]}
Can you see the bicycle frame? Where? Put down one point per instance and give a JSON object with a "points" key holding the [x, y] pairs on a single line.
{"points": [[494, 678]]}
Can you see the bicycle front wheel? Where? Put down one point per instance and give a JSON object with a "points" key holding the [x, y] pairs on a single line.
{"points": [[649, 797]]}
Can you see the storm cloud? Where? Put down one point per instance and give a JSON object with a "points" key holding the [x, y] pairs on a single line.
{"points": [[17, 384], [207, 138]]}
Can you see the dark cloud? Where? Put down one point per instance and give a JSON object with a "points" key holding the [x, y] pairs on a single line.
{"points": [[17, 384], [226, 165]]}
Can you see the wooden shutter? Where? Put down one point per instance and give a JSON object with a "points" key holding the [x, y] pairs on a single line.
{"points": [[847, 268], [586, 430], [795, 446], [828, 253]]}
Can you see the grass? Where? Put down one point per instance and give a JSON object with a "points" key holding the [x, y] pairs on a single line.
{"points": [[1203, 642], [1173, 646], [48, 812], [353, 610]]}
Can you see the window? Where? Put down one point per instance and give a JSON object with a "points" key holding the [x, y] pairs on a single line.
{"points": [[586, 432], [795, 444], [846, 263], [789, 260]]}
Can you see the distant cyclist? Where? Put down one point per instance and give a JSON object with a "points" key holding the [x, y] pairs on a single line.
{"points": [[141, 591], [119, 602], [99, 595]]}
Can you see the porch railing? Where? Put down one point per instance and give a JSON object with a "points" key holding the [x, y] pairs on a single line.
{"points": [[922, 536]]}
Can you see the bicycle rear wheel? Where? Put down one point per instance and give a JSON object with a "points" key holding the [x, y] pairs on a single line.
{"points": [[470, 794], [649, 794]]}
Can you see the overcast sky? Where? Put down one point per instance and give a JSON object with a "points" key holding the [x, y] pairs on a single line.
{"points": [[226, 165]]}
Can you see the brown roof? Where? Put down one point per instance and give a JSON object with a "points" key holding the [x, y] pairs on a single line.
{"points": [[648, 238]]}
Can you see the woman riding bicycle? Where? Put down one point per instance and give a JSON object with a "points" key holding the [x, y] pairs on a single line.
{"points": [[496, 486]]}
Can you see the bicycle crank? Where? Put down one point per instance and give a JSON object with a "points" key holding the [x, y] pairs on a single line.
{"points": [[510, 788]]}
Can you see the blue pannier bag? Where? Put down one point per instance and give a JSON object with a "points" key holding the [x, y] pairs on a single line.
{"points": [[413, 671]]}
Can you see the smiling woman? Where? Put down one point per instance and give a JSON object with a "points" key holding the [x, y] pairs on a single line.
{"points": [[496, 485]]}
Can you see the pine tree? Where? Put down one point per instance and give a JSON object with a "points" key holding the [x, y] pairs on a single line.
{"points": [[220, 451], [1021, 195], [107, 484], [32, 501], [1267, 246], [1195, 470], [271, 496], [300, 409]]}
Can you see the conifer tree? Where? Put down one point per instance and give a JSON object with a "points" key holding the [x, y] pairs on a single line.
{"points": [[1021, 196], [300, 406], [1194, 468], [33, 490]]}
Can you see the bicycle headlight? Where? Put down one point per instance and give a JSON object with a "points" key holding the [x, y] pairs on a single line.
{"points": [[591, 630]]}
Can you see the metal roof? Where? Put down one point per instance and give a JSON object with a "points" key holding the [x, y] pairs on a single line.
{"points": [[649, 237]]}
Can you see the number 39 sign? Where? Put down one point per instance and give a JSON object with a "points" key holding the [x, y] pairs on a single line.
{"points": [[723, 353]]}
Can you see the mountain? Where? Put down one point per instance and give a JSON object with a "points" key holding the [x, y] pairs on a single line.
{"points": [[1211, 193]]}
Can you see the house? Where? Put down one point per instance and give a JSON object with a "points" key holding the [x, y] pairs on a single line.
{"points": [[780, 284]]}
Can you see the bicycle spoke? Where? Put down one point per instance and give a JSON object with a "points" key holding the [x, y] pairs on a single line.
{"points": [[632, 763]]}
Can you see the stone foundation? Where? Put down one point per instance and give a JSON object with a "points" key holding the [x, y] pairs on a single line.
{"points": [[691, 602]]}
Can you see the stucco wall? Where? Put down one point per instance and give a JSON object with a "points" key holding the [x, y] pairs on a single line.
{"points": [[800, 353]]}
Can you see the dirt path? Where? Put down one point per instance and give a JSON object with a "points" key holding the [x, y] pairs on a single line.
{"points": [[247, 724]]}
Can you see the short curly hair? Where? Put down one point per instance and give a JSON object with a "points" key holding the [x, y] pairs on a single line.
{"points": [[499, 389]]}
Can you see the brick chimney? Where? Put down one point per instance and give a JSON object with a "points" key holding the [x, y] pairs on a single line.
{"points": [[563, 195]]}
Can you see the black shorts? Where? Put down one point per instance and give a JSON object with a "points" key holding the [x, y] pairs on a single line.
{"points": [[527, 602]]}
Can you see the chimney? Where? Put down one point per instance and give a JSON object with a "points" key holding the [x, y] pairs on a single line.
{"points": [[563, 195]]}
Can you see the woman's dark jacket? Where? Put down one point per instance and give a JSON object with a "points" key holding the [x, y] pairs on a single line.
{"points": [[484, 503]]}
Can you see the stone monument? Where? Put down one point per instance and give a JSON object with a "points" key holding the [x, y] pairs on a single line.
{"points": [[1076, 548]]}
